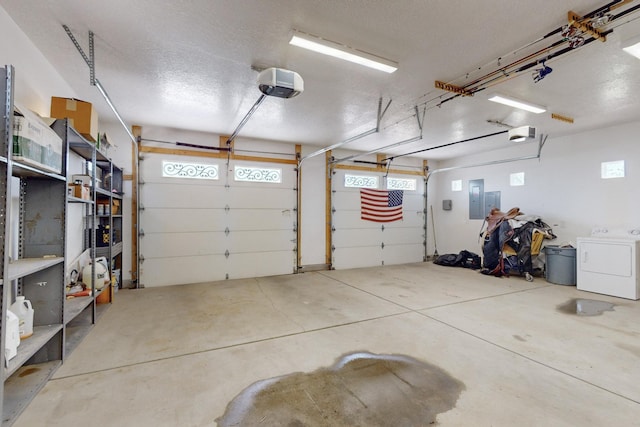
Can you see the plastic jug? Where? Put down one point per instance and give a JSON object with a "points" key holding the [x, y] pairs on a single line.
{"points": [[22, 308], [101, 274], [13, 336]]}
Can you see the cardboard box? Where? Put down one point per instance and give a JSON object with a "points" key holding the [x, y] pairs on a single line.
{"points": [[35, 143], [115, 207], [82, 117], [80, 191]]}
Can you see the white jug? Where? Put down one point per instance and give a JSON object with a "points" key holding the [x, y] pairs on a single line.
{"points": [[101, 274], [22, 308], [13, 336]]}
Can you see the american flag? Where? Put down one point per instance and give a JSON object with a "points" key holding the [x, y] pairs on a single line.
{"points": [[380, 205]]}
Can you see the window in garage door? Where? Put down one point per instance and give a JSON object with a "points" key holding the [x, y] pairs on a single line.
{"points": [[204, 220]]}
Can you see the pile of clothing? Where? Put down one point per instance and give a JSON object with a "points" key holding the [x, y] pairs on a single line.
{"points": [[511, 241]]}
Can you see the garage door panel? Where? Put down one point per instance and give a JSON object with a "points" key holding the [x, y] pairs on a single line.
{"points": [[163, 245], [266, 264], [262, 197], [349, 218], [180, 196], [260, 241], [255, 219], [402, 254], [356, 238], [183, 220], [402, 235], [184, 270], [346, 200], [356, 257]]}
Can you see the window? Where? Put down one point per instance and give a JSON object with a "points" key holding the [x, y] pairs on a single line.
{"points": [[245, 173], [189, 170], [360, 181], [612, 169], [456, 185], [401, 184], [516, 179]]}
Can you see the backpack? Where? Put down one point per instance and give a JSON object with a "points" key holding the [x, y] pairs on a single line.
{"points": [[449, 260], [464, 259], [470, 260]]}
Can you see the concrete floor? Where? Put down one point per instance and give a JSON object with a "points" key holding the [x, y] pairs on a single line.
{"points": [[177, 356]]}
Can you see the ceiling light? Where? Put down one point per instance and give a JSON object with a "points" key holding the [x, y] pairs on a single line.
{"points": [[517, 103], [632, 46], [337, 50]]}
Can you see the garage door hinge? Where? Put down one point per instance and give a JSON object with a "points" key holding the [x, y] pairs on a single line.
{"points": [[141, 257], [333, 228], [333, 248], [227, 231], [382, 227], [382, 245], [295, 228], [226, 208], [226, 253], [333, 209], [141, 233], [140, 207]]}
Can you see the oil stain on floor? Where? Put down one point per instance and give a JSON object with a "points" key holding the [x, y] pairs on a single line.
{"points": [[585, 307], [360, 389]]}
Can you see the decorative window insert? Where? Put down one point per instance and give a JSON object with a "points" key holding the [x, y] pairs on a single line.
{"points": [[612, 169], [516, 179], [189, 170], [456, 185], [360, 181], [408, 184], [249, 174]]}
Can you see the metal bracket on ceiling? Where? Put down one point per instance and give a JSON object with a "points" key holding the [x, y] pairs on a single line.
{"points": [[95, 82], [377, 150]]}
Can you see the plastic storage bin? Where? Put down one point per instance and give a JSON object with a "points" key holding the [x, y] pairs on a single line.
{"points": [[560, 265]]}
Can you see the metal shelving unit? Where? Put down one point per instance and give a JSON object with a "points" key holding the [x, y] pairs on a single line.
{"points": [[81, 313], [39, 271]]}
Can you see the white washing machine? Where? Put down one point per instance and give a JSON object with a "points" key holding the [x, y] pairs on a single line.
{"points": [[609, 265]]}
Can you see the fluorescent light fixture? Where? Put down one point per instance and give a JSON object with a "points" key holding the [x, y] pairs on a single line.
{"points": [[632, 46], [337, 50], [517, 103]]}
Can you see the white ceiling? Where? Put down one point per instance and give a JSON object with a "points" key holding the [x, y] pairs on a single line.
{"points": [[188, 65]]}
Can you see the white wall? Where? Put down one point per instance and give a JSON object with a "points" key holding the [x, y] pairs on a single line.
{"points": [[35, 82], [563, 187], [36, 79]]}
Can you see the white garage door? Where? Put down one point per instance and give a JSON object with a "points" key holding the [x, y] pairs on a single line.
{"points": [[362, 237], [203, 221]]}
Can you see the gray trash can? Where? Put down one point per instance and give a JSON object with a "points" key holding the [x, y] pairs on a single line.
{"points": [[560, 265]]}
